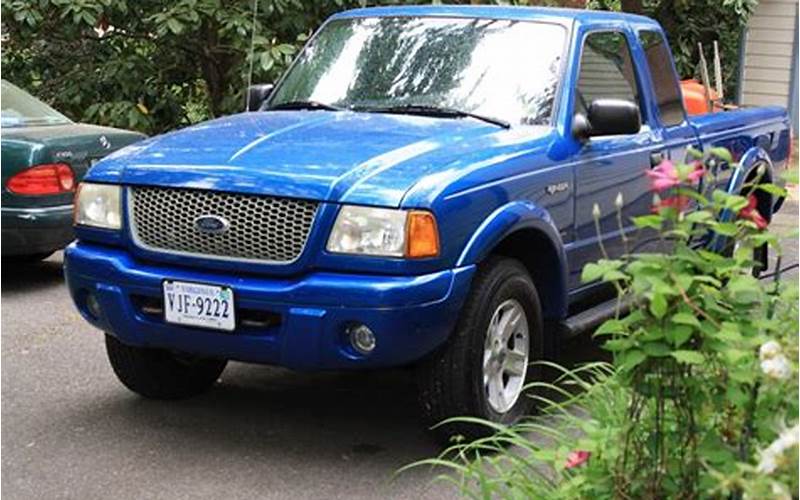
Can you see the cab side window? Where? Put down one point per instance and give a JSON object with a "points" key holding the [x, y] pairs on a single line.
{"points": [[665, 87], [606, 70]]}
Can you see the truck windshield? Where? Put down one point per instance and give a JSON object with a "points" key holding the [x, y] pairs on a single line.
{"points": [[501, 69], [20, 109]]}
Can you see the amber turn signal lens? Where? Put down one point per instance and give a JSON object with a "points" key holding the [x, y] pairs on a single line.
{"points": [[423, 235]]}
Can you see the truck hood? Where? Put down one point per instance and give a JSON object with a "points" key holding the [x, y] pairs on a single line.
{"points": [[362, 158]]}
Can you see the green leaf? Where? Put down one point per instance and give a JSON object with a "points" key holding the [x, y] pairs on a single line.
{"points": [[596, 270], [656, 349], [631, 359], [725, 228], [174, 26], [611, 326], [736, 395], [614, 345], [694, 152], [651, 221], [685, 319], [722, 154], [679, 334], [744, 288], [773, 190], [688, 357], [658, 305], [699, 216], [615, 275]]}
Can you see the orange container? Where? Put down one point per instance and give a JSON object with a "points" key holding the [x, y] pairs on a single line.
{"points": [[694, 98]]}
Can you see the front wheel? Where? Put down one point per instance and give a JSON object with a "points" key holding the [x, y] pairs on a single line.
{"points": [[161, 374], [484, 367]]}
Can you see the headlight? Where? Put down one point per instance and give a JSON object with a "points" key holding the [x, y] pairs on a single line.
{"points": [[384, 232], [98, 205]]}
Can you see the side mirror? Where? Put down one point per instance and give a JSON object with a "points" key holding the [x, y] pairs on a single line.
{"points": [[257, 94], [607, 117]]}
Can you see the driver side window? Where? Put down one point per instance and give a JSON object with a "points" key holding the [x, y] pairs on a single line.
{"points": [[606, 71]]}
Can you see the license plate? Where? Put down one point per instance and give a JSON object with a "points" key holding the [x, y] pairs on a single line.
{"points": [[195, 304]]}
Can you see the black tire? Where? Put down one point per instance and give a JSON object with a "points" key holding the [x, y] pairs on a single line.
{"points": [[451, 380], [160, 374]]}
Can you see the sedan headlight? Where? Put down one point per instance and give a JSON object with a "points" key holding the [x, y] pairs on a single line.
{"points": [[98, 205], [384, 232]]}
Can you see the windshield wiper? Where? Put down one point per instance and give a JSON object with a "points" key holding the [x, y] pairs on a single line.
{"points": [[428, 110], [304, 105]]}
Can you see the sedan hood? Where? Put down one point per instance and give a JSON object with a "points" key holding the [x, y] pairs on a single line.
{"points": [[363, 158]]}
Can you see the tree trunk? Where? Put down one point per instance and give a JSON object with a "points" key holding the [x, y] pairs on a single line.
{"points": [[632, 6]]}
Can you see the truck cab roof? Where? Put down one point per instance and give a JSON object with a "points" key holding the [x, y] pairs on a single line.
{"points": [[553, 14]]}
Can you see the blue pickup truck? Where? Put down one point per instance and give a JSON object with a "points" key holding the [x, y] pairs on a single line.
{"points": [[417, 190]]}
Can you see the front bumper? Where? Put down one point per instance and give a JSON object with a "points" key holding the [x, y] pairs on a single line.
{"points": [[410, 315], [36, 230]]}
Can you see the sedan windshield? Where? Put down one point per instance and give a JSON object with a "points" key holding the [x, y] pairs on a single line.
{"points": [[20, 109], [500, 69]]}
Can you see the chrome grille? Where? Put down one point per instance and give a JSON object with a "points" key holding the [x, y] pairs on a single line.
{"points": [[261, 228]]}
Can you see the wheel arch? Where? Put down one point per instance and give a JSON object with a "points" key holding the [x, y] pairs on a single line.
{"points": [[526, 232], [747, 171]]}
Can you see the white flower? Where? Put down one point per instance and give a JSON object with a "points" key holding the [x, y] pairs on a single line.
{"points": [[768, 463], [772, 456], [596, 211], [777, 368], [619, 201], [788, 438], [780, 492], [769, 350]]}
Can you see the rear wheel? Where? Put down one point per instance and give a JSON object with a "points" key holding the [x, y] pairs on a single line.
{"points": [[161, 374], [484, 367]]}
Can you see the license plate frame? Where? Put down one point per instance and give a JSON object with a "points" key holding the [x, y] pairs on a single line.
{"points": [[187, 318]]}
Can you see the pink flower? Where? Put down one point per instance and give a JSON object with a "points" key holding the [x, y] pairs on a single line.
{"points": [[679, 203], [750, 212], [698, 172], [577, 458], [663, 177], [666, 176]]}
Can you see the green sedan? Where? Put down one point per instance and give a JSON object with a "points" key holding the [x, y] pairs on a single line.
{"points": [[44, 156]]}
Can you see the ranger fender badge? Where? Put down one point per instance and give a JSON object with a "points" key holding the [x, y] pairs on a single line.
{"points": [[557, 188]]}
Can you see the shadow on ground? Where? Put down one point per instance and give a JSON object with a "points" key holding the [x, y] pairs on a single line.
{"points": [[20, 276]]}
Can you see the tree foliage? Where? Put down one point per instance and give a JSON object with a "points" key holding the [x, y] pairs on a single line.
{"points": [[152, 65], [148, 64]]}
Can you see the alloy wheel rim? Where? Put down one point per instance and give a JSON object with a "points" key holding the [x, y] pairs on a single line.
{"points": [[505, 355]]}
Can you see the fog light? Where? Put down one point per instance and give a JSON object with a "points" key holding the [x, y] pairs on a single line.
{"points": [[361, 338], [93, 306]]}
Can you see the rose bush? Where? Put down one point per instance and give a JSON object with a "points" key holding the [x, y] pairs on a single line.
{"points": [[701, 399]]}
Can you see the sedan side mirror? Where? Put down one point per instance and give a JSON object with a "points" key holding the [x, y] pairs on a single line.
{"points": [[257, 95], [607, 117]]}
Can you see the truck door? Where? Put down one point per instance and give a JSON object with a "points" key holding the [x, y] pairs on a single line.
{"points": [[609, 167], [672, 128]]}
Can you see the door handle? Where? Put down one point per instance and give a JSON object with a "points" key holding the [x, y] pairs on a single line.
{"points": [[657, 158]]}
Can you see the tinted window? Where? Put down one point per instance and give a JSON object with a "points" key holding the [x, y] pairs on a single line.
{"points": [[499, 68], [606, 70], [668, 95]]}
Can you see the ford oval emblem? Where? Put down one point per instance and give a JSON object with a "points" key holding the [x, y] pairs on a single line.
{"points": [[211, 224]]}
